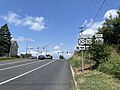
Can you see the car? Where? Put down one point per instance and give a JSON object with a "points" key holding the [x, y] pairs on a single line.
{"points": [[41, 57], [48, 56]]}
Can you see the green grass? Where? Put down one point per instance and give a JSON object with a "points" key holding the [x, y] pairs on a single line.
{"points": [[95, 80], [7, 58]]}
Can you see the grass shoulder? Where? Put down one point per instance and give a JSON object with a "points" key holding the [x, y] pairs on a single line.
{"points": [[8, 58], [95, 80]]}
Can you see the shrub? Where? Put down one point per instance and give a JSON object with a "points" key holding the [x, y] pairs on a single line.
{"points": [[112, 66], [100, 53]]}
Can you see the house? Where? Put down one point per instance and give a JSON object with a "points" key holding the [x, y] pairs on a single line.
{"points": [[13, 49]]}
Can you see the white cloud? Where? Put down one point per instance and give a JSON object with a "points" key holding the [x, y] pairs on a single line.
{"points": [[90, 31], [22, 39], [34, 23], [12, 18], [56, 48], [92, 27], [112, 12], [96, 25]]}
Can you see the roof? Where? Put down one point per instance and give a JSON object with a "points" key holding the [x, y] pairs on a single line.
{"points": [[13, 41]]}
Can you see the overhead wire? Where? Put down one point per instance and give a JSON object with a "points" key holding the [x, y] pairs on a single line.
{"points": [[94, 5], [89, 8], [84, 9], [98, 12]]}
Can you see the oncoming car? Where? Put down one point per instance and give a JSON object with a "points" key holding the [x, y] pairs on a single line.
{"points": [[41, 57], [48, 56]]}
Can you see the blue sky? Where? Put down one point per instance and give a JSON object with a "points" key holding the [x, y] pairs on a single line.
{"points": [[51, 22]]}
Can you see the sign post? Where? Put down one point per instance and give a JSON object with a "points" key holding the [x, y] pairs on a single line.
{"points": [[84, 41]]}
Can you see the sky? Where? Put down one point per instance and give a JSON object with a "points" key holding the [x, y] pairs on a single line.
{"points": [[54, 23]]}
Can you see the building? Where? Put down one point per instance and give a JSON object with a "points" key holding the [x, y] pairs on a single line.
{"points": [[13, 49]]}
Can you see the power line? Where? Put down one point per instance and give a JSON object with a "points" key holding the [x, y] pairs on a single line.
{"points": [[99, 9], [98, 12], [94, 5], [89, 7], [84, 9]]}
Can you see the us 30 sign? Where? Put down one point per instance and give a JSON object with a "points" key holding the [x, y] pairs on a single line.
{"points": [[83, 41]]}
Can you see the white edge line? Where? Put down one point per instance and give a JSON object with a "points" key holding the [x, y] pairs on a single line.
{"points": [[73, 74], [1, 83], [18, 65]]}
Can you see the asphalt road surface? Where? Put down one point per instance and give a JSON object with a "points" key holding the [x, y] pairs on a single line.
{"points": [[35, 75]]}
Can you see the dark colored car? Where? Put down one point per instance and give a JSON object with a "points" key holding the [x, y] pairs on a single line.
{"points": [[41, 57], [48, 56]]}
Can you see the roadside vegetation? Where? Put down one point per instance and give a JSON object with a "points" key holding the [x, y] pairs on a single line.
{"points": [[104, 73], [5, 41], [7, 58], [95, 80]]}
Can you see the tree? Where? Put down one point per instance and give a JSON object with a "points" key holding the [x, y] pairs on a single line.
{"points": [[100, 52], [5, 40], [61, 57], [111, 30]]}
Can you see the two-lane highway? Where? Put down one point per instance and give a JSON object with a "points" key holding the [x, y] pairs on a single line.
{"points": [[36, 75]]}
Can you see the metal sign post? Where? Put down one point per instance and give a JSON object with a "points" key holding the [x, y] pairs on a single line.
{"points": [[84, 41], [82, 66]]}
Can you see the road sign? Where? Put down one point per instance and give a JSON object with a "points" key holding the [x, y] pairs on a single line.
{"points": [[88, 41], [87, 47], [81, 41], [98, 35], [84, 41], [81, 48], [86, 36], [99, 40]]}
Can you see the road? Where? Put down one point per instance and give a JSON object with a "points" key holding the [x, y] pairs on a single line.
{"points": [[35, 75]]}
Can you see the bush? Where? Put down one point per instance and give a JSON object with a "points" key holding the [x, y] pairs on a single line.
{"points": [[100, 53], [111, 67]]}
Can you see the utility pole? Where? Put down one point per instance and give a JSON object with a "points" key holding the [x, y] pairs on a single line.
{"points": [[82, 61], [41, 50], [26, 49], [46, 49]]}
